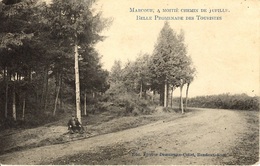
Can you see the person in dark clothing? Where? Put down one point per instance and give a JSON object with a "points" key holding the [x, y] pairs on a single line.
{"points": [[74, 125]]}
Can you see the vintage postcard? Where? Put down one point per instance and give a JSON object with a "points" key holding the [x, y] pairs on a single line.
{"points": [[129, 82]]}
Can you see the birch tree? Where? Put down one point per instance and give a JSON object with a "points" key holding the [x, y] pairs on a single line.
{"points": [[75, 25], [186, 69]]}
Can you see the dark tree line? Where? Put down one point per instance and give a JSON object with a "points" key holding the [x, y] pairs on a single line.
{"points": [[41, 45]]}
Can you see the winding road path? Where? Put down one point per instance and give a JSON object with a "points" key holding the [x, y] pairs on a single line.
{"points": [[205, 136]]}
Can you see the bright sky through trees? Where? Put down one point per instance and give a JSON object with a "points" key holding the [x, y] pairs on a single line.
{"points": [[225, 53]]}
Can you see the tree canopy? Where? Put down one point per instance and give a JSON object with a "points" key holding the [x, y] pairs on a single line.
{"points": [[167, 68], [37, 43]]}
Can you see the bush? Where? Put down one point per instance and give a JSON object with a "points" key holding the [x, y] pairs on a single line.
{"points": [[226, 101], [131, 103], [31, 120]]}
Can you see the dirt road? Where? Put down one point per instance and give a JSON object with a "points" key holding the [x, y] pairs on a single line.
{"points": [[206, 136]]}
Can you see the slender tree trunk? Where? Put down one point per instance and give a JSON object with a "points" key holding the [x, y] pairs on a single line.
{"points": [[61, 93], [4, 73], [43, 89], [171, 95], [165, 94], [167, 97], [30, 75], [23, 116], [181, 101], [85, 103], [153, 95], [14, 104], [141, 90], [46, 90], [162, 97], [186, 99], [78, 112], [57, 96], [6, 92]]}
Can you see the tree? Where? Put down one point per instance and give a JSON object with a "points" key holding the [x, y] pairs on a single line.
{"points": [[135, 75], [186, 70], [116, 72], [191, 71], [142, 73], [164, 62], [129, 75], [75, 24], [92, 78], [170, 65], [16, 30]]}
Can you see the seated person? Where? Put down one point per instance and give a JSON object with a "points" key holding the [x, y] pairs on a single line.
{"points": [[74, 125]]}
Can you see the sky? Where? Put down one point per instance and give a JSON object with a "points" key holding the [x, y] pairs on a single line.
{"points": [[225, 52]]}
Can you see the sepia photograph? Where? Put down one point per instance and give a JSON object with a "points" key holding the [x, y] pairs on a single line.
{"points": [[129, 82]]}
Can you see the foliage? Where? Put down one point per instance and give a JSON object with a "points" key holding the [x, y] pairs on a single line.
{"points": [[116, 72], [169, 64], [226, 101], [32, 120], [92, 77], [169, 61], [136, 76], [129, 102], [36, 53]]}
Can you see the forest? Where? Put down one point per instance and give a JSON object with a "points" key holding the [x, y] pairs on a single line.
{"points": [[37, 66]]}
